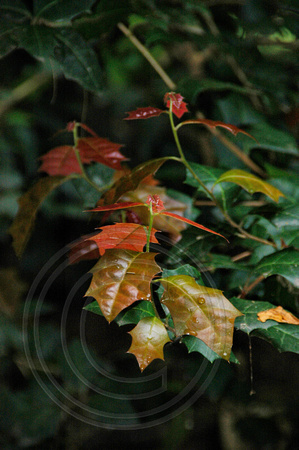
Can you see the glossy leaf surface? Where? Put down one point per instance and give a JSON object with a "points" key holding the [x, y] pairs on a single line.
{"points": [[128, 236], [284, 263], [83, 249], [144, 113], [201, 312], [148, 340], [250, 183], [284, 337], [29, 203], [194, 344], [178, 106], [120, 278]]}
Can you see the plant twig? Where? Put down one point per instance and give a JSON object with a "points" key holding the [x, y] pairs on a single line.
{"points": [[252, 285], [24, 89], [144, 51]]}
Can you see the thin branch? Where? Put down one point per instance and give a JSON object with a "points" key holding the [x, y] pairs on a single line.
{"points": [[24, 89], [252, 285], [144, 51]]}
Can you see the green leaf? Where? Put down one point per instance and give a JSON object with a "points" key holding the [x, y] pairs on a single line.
{"points": [[250, 183], [29, 203], [13, 15], [58, 10], [74, 55], [270, 138], [143, 309], [250, 309], [287, 219], [148, 340], [94, 307], [194, 344], [284, 337], [284, 263], [225, 194]]}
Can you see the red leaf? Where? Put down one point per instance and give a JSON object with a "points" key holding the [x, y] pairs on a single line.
{"points": [[144, 113], [101, 150], [127, 236], [216, 123], [156, 202], [178, 106], [190, 222], [62, 160], [115, 206]]}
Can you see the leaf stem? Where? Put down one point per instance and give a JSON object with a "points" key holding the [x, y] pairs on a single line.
{"points": [[150, 226], [84, 173]]}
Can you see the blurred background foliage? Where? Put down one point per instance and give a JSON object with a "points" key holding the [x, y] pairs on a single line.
{"points": [[235, 61]]}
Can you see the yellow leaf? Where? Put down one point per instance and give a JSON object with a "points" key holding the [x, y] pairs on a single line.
{"points": [[279, 315]]}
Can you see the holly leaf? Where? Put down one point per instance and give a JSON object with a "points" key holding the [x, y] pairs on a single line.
{"points": [[29, 203], [201, 312], [148, 340], [284, 337], [58, 10], [216, 123], [284, 263], [194, 344], [178, 106], [128, 236], [131, 181], [120, 278], [250, 183], [144, 113], [63, 161], [279, 314]]}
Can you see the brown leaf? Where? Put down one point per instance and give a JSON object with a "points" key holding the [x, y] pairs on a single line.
{"points": [[12, 289], [131, 180], [83, 249], [29, 203], [120, 278], [279, 315], [148, 340], [200, 311]]}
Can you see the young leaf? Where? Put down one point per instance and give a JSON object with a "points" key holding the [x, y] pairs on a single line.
{"points": [[250, 183], [120, 278], [279, 315], [144, 113], [190, 222], [148, 340], [128, 236], [101, 150], [284, 263], [115, 206], [200, 311], [216, 123], [29, 203], [62, 160], [194, 344], [131, 181], [178, 106]]}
